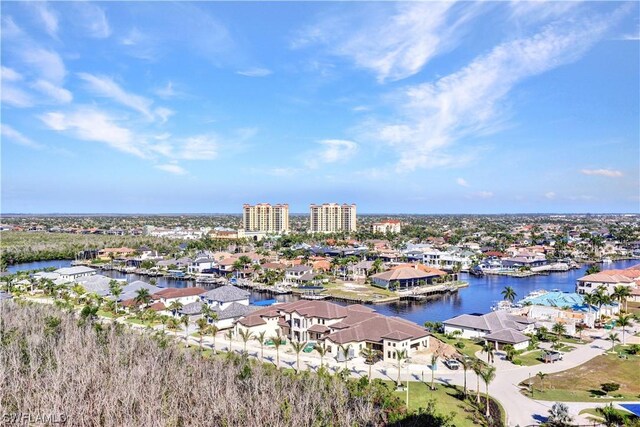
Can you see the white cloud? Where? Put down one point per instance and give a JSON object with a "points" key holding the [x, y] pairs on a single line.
{"points": [[48, 18], [550, 195], [9, 74], [15, 96], [528, 12], [167, 91], [255, 72], [611, 173], [462, 182], [13, 135], [467, 103], [105, 86], [392, 44], [59, 94], [482, 195], [94, 19], [90, 124], [172, 168], [201, 147], [46, 63], [331, 151], [163, 113]]}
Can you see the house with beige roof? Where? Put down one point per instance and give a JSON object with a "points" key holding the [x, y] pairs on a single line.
{"points": [[354, 327], [609, 280]]}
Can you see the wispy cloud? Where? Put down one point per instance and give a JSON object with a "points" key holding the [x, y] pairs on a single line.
{"points": [[468, 103], [462, 182], [59, 94], [167, 91], [610, 173], [47, 17], [93, 18], [17, 137], [481, 195], [106, 87], [172, 169], [255, 72], [201, 147], [331, 151], [550, 195], [90, 124], [396, 46]]}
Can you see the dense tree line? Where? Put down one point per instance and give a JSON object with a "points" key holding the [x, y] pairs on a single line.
{"points": [[56, 362]]}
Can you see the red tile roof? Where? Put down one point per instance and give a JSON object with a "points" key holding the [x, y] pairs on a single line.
{"points": [[178, 292]]}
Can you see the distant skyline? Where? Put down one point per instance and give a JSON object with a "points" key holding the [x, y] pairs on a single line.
{"points": [[426, 108]]}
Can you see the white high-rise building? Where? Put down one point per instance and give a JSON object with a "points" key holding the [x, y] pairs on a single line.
{"points": [[332, 217], [266, 218]]}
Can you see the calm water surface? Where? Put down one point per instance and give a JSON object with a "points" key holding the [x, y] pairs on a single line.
{"points": [[482, 293]]}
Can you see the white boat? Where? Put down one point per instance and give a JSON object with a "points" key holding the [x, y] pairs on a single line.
{"points": [[607, 261]]}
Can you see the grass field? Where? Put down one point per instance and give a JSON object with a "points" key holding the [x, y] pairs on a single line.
{"points": [[447, 401], [530, 358], [582, 383]]}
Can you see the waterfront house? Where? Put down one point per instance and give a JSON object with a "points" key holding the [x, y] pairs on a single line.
{"points": [[201, 265], [491, 326], [225, 318], [98, 284], [361, 269], [224, 296], [181, 295], [112, 253], [353, 326], [298, 274], [70, 274], [404, 277], [608, 280]]}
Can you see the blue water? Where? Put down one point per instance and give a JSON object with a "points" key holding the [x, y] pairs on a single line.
{"points": [[39, 265], [482, 293]]}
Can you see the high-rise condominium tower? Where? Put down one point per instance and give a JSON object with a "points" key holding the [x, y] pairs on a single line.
{"points": [[266, 218], [332, 217]]}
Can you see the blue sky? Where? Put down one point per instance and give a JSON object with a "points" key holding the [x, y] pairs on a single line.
{"points": [[398, 107]]}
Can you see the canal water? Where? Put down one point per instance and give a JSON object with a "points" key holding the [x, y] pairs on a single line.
{"points": [[481, 294]]}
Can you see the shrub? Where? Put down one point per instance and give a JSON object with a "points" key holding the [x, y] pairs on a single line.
{"points": [[609, 387], [460, 345]]}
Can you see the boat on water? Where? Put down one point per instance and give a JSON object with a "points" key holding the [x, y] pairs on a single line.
{"points": [[476, 271], [607, 261]]}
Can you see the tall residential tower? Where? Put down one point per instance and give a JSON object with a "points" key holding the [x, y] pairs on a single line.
{"points": [[266, 218], [332, 217]]}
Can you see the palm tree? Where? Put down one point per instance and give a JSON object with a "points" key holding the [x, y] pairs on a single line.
{"points": [[143, 297], [175, 307], [185, 321], [116, 291], [559, 416], [466, 363], [229, 335], [542, 376], [262, 339], [214, 332], [79, 291], [601, 298], [559, 329], [488, 375], [613, 337], [344, 349], [401, 356], [173, 324], [277, 342], [202, 329], [590, 300], [488, 348], [509, 294], [580, 327], [322, 351], [434, 362], [623, 321], [610, 416], [370, 357], [245, 335], [621, 293], [298, 347], [477, 367]]}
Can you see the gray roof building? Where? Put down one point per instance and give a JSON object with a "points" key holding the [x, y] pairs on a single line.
{"points": [[227, 293]]}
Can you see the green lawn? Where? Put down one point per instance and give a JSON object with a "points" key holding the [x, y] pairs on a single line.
{"points": [[582, 383], [106, 314], [530, 358], [447, 401], [597, 417]]}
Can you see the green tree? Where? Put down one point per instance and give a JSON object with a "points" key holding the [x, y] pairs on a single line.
{"points": [[623, 321], [214, 333], [262, 339], [613, 337], [559, 416], [245, 336], [322, 350], [559, 329], [143, 297], [621, 293], [400, 356], [277, 342], [488, 375], [488, 348], [185, 322], [298, 346], [610, 415], [434, 364], [509, 294], [370, 358], [541, 375], [202, 330], [116, 291]]}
